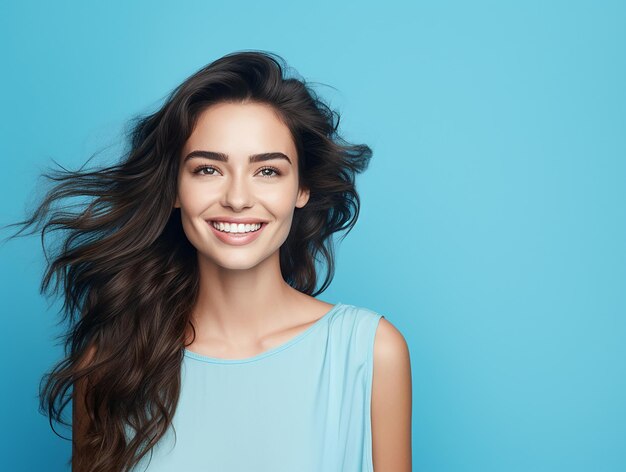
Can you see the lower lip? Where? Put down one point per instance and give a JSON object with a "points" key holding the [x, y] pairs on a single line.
{"points": [[237, 239]]}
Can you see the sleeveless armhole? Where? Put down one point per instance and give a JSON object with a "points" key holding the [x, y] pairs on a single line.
{"points": [[368, 391]]}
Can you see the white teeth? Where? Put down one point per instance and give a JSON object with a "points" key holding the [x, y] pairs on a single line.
{"points": [[235, 228]]}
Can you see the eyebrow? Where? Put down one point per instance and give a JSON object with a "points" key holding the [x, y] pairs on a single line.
{"points": [[220, 156]]}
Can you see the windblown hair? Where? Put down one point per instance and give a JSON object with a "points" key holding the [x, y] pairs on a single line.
{"points": [[128, 275]]}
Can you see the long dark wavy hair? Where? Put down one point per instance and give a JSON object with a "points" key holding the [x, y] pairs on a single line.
{"points": [[127, 274]]}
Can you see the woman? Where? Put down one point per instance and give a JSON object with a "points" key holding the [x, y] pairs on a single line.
{"points": [[189, 278]]}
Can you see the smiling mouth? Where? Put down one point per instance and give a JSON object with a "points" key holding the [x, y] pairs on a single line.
{"points": [[255, 227]]}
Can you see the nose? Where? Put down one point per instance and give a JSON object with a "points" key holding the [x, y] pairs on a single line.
{"points": [[237, 192]]}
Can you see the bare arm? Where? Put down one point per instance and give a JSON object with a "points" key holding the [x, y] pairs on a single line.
{"points": [[391, 401]]}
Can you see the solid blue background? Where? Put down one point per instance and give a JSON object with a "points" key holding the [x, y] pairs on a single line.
{"points": [[493, 218]]}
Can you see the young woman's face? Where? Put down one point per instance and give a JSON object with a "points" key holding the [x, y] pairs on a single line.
{"points": [[240, 162]]}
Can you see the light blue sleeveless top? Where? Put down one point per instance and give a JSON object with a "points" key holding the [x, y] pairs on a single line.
{"points": [[302, 406]]}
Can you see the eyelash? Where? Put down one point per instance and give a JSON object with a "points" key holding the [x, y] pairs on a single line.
{"points": [[200, 168]]}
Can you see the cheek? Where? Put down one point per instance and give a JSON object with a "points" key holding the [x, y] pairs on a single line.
{"points": [[280, 203], [195, 197]]}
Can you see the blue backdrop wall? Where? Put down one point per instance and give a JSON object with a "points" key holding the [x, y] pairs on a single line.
{"points": [[493, 223]]}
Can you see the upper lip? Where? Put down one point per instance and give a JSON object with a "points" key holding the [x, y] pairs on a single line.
{"points": [[227, 219]]}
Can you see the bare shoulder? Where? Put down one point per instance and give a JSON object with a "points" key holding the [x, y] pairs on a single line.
{"points": [[389, 342], [391, 400]]}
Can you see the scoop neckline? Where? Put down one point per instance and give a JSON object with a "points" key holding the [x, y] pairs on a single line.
{"points": [[269, 352]]}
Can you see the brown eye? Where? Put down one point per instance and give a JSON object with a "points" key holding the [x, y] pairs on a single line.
{"points": [[272, 169], [199, 170]]}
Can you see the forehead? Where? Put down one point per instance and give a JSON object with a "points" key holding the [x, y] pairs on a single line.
{"points": [[240, 129]]}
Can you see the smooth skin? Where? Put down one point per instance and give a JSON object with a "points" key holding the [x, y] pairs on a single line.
{"points": [[244, 306], [391, 401]]}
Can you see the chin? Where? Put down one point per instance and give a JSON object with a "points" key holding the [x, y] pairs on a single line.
{"points": [[240, 262]]}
